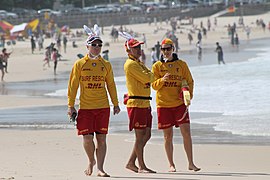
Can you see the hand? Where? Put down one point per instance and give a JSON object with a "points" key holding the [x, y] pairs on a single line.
{"points": [[166, 77], [116, 110], [71, 110]]}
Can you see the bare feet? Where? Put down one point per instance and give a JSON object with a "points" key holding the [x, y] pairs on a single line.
{"points": [[89, 170], [193, 168], [146, 170], [102, 174], [172, 169], [132, 167]]}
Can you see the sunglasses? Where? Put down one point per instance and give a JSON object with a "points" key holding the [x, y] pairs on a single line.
{"points": [[166, 49], [96, 45]]}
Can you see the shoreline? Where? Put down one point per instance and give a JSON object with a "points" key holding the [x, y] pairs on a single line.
{"points": [[48, 118]]}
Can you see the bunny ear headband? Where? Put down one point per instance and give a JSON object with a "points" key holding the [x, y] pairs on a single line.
{"points": [[130, 41], [92, 34]]}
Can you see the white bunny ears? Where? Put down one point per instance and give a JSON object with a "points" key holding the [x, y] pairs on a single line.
{"points": [[92, 34], [130, 41], [126, 35]]}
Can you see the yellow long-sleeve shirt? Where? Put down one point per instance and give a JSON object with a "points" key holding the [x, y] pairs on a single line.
{"points": [[168, 92], [138, 79], [91, 75]]}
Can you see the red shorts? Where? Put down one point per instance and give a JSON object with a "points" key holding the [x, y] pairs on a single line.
{"points": [[93, 120], [168, 117], [139, 118]]}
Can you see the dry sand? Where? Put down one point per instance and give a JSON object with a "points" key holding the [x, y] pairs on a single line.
{"points": [[58, 154]]}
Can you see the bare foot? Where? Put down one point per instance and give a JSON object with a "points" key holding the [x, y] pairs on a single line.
{"points": [[132, 167], [89, 170], [146, 170], [193, 168], [172, 169], [103, 174]]}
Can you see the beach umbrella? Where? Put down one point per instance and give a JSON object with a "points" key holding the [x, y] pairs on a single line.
{"points": [[18, 28], [64, 28], [5, 25], [33, 24]]}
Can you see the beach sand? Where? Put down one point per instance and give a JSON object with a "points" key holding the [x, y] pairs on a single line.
{"points": [[58, 154]]}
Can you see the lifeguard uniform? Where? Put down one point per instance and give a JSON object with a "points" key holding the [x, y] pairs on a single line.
{"points": [[138, 79], [91, 75], [170, 108]]}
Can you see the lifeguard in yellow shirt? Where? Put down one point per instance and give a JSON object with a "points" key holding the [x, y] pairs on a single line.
{"points": [[93, 74], [138, 79], [171, 75]]}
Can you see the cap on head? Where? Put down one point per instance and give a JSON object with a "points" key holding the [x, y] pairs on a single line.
{"points": [[167, 41], [92, 38], [132, 43]]}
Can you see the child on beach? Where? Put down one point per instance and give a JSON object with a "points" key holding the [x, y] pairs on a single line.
{"points": [[5, 57], [47, 57]]}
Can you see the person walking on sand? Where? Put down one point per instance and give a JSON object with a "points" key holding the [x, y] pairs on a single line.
{"points": [[190, 38], [65, 43], [2, 67], [94, 76], [170, 74], [143, 57], [199, 51], [153, 56], [219, 53], [55, 59], [33, 44], [138, 79], [157, 49], [5, 56], [47, 57], [144, 40]]}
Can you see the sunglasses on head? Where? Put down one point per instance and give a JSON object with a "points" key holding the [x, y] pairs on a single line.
{"points": [[96, 45], [166, 49]]}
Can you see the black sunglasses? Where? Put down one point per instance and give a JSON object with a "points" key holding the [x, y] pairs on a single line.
{"points": [[96, 45], [167, 48]]}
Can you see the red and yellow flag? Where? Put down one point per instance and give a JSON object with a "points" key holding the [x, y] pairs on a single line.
{"points": [[231, 9]]}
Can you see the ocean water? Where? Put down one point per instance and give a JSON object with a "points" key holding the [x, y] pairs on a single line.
{"points": [[239, 91], [230, 102]]}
